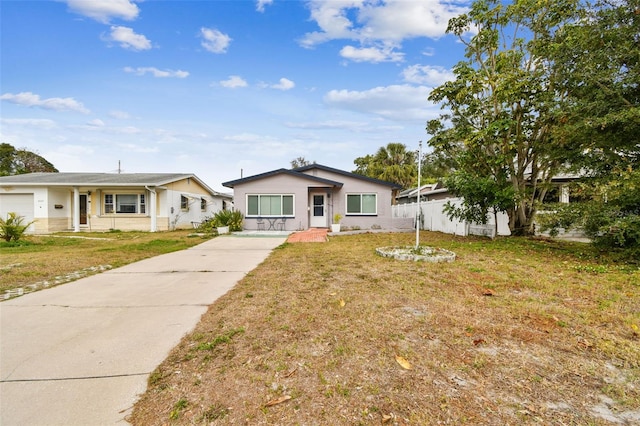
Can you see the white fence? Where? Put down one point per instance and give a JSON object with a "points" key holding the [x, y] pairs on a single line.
{"points": [[433, 219]]}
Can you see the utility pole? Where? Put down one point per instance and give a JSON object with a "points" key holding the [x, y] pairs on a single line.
{"points": [[418, 206]]}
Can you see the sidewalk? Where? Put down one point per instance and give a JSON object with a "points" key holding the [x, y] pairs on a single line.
{"points": [[80, 353]]}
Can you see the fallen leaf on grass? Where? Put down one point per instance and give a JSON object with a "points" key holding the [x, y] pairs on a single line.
{"points": [[386, 419], [277, 401], [478, 341], [487, 292], [342, 303], [290, 373], [403, 362], [584, 342]]}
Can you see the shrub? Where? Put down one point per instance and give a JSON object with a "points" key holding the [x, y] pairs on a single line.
{"points": [[13, 228], [610, 216], [208, 225], [232, 219]]}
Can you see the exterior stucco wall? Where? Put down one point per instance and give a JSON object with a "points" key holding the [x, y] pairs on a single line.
{"points": [[37, 210], [49, 218], [274, 185], [352, 185], [303, 189]]}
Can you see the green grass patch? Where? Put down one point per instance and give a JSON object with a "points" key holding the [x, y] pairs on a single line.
{"points": [[219, 340]]}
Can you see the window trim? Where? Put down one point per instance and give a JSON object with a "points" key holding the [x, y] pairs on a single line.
{"points": [[360, 194], [141, 203], [293, 205]]}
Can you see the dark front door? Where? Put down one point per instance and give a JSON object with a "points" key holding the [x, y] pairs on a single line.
{"points": [[83, 209]]}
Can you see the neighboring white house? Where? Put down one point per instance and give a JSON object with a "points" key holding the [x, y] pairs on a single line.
{"points": [[310, 196], [104, 201], [411, 195], [434, 197]]}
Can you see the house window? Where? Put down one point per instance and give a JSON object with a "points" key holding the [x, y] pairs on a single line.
{"points": [[143, 204], [184, 203], [362, 204], [125, 203], [203, 204], [269, 205]]}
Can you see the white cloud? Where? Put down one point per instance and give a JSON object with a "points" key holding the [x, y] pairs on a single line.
{"points": [[260, 4], [157, 72], [284, 84], [128, 39], [245, 137], [401, 19], [373, 22], [371, 54], [429, 51], [40, 123], [104, 10], [96, 123], [56, 104], [214, 40], [130, 147], [396, 102], [330, 124], [332, 19], [427, 74], [233, 82], [97, 126], [119, 115]]}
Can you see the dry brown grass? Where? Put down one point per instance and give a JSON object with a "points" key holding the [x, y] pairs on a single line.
{"points": [[515, 331], [55, 257]]}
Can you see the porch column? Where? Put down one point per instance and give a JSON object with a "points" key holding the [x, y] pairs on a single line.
{"points": [[152, 210], [564, 194], [76, 209]]}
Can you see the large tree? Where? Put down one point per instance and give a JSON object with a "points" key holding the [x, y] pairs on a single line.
{"points": [[597, 60], [393, 163], [19, 161], [501, 106]]}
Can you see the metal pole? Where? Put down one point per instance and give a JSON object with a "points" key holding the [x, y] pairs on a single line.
{"points": [[418, 209]]}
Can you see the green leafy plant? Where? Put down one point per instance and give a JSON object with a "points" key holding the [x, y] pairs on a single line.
{"points": [[178, 408], [337, 218], [13, 228], [218, 340], [610, 216], [231, 218]]}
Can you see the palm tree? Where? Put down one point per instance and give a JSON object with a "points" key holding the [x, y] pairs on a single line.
{"points": [[394, 163]]}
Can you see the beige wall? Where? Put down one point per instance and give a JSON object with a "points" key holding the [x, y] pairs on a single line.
{"points": [[51, 219]]}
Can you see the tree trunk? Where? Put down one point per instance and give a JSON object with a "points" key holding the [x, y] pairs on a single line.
{"points": [[521, 220]]}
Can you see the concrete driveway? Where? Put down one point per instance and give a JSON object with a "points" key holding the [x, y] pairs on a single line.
{"points": [[80, 353]]}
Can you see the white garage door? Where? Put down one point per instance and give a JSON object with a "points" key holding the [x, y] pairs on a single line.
{"points": [[22, 204]]}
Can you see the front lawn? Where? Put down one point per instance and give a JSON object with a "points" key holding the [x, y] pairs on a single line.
{"points": [[515, 331], [63, 256]]}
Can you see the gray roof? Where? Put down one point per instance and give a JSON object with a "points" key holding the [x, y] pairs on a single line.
{"points": [[328, 182], [299, 172], [100, 179]]}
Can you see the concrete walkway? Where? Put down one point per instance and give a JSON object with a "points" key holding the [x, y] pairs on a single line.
{"points": [[80, 353]]}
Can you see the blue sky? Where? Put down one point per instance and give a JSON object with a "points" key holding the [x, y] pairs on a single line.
{"points": [[218, 87]]}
